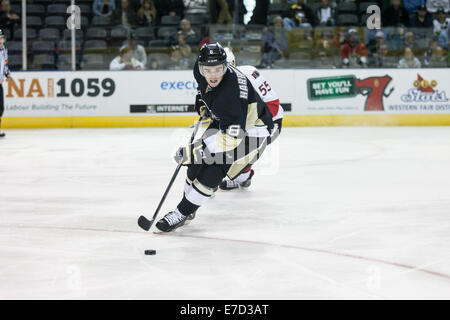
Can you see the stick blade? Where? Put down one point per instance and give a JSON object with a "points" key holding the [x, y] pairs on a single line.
{"points": [[144, 223]]}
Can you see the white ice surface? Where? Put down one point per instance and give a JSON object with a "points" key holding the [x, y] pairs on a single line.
{"points": [[355, 212]]}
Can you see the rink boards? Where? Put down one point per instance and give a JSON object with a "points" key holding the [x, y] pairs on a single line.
{"points": [[165, 98]]}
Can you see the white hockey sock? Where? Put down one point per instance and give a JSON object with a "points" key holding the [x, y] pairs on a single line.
{"points": [[187, 186], [198, 194]]}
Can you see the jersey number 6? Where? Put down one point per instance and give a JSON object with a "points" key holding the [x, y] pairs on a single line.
{"points": [[262, 88], [234, 130]]}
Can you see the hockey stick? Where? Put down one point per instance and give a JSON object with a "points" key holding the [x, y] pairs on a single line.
{"points": [[145, 223], [205, 122]]}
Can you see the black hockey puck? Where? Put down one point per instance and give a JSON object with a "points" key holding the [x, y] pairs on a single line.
{"points": [[150, 252]]}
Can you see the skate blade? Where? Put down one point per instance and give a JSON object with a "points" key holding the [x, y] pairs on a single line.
{"points": [[157, 231]]}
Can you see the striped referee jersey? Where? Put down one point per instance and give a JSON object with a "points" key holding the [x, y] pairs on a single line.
{"points": [[4, 69]]}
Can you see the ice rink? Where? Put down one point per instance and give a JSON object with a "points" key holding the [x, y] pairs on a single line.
{"points": [[332, 213]]}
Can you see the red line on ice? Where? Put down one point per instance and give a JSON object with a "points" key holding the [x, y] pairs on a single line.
{"points": [[347, 255]]}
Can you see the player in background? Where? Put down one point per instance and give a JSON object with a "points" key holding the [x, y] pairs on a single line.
{"points": [[241, 127], [270, 97], [4, 72]]}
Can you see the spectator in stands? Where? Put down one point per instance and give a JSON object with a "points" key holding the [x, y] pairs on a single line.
{"points": [[137, 51], [103, 7], [370, 35], [412, 5], [196, 7], [280, 34], [125, 61], [300, 15], [184, 47], [8, 19], [434, 5], [124, 15], [325, 50], [395, 14], [401, 42], [325, 14], [438, 59], [340, 37], [409, 60], [410, 40], [155, 64], [328, 41], [353, 51], [441, 27], [159, 61], [380, 58], [421, 19], [178, 61], [192, 38], [433, 44], [170, 8], [373, 46], [224, 13], [398, 38], [274, 43], [146, 15]]}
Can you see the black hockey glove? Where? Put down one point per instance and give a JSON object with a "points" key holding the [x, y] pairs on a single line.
{"points": [[204, 112], [200, 107]]}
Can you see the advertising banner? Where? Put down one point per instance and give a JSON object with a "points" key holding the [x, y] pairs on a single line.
{"points": [[375, 91], [53, 94], [165, 94]]}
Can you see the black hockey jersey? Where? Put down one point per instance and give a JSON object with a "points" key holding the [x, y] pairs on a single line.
{"points": [[234, 104]]}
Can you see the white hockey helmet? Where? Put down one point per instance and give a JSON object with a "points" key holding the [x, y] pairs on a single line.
{"points": [[230, 57]]}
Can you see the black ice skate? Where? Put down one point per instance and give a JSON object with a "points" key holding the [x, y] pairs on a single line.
{"points": [[171, 221], [2, 134], [232, 184]]}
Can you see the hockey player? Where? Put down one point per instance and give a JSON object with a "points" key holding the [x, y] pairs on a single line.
{"points": [[4, 72], [238, 114], [270, 97]]}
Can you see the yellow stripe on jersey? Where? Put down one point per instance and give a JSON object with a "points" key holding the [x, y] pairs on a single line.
{"points": [[226, 142], [252, 116], [202, 188]]}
